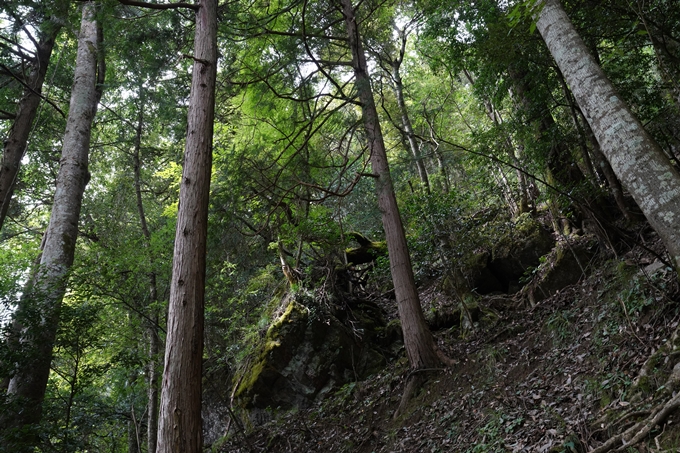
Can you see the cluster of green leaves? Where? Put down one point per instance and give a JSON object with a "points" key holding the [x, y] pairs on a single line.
{"points": [[447, 230]]}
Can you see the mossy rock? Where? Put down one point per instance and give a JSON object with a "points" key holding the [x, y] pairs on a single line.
{"points": [[512, 255], [307, 352], [564, 266], [290, 326]]}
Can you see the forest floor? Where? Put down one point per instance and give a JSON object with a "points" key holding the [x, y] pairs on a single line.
{"points": [[561, 376]]}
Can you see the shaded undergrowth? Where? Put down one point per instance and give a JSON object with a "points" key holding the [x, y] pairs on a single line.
{"points": [[564, 375]]}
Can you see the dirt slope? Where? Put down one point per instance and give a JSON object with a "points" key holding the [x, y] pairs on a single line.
{"points": [[562, 376]]}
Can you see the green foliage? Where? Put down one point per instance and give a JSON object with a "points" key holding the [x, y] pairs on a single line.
{"points": [[292, 313], [560, 324], [243, 320], [288, 150], [449, 228], [493, 433]]}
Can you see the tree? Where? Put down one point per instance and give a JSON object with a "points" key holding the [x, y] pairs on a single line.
{"points": [[635, 157], [393, 66], [152, 323], [474, 41], [180, 427], [420, 348], [38, 312], [17, 139]]}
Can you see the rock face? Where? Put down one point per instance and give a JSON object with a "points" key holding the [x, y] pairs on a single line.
{"points": [[565, 265], [308, 351], [511, 257], [215, 407]]}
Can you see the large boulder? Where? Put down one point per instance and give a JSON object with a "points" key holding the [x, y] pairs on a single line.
{"points": [[308, 351]]}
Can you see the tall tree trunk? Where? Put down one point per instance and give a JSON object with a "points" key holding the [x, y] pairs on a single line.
{"points": [[667, 49], [599, 161], [418, 341], [38, 312], [521, 205], [443, 172], [152, 321], [635, 157], [506, 190], [132, 425], [180, 416], [582, 138], [560, 164], [434, 144], [612, 181], [153, 376], [406, 125], [17, 140]]}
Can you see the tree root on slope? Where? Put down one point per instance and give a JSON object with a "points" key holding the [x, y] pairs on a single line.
{"points": [[657, 414], [641, 429], [413, 383]]}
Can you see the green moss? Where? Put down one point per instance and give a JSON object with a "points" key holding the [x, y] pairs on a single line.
{"points": [[525, 225], [524, 230], [293, 313], [394, 324], [605, 399], [250, 378], [644, 385], [367, 251]]}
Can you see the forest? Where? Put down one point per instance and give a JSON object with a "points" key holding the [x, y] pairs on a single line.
{"points": [[339, 226]]}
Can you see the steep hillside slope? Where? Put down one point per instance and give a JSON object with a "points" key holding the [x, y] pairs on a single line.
{"points": [[567, 374]]}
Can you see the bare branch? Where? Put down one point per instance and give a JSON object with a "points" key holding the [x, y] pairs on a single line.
{"points": [[197, 60], [30, 36], [20, 53], [299, 35]]}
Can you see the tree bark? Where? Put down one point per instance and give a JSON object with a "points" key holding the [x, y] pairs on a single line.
{"points": [[38, 312], [580, 133], [153, 378], [152, 321], [521, 205], [418, 341], [180, 427], [406, 125], [17, 140], [635, 157], [561, 166], [133, 427], [667, 50], [601, 163]]}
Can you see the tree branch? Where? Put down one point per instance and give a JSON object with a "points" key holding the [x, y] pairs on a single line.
{"points": [[19, 53], [5, 115], [11, 73], [303, 35], [161, 6]]}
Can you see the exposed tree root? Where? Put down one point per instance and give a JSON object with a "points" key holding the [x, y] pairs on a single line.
{"points": [[417, 378], [641, 429], [655, 415], [446, 360], [414, 381]]}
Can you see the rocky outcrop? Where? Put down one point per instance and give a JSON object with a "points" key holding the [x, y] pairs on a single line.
{"points": [[308, 351], [501, 269], [564, 266]]}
